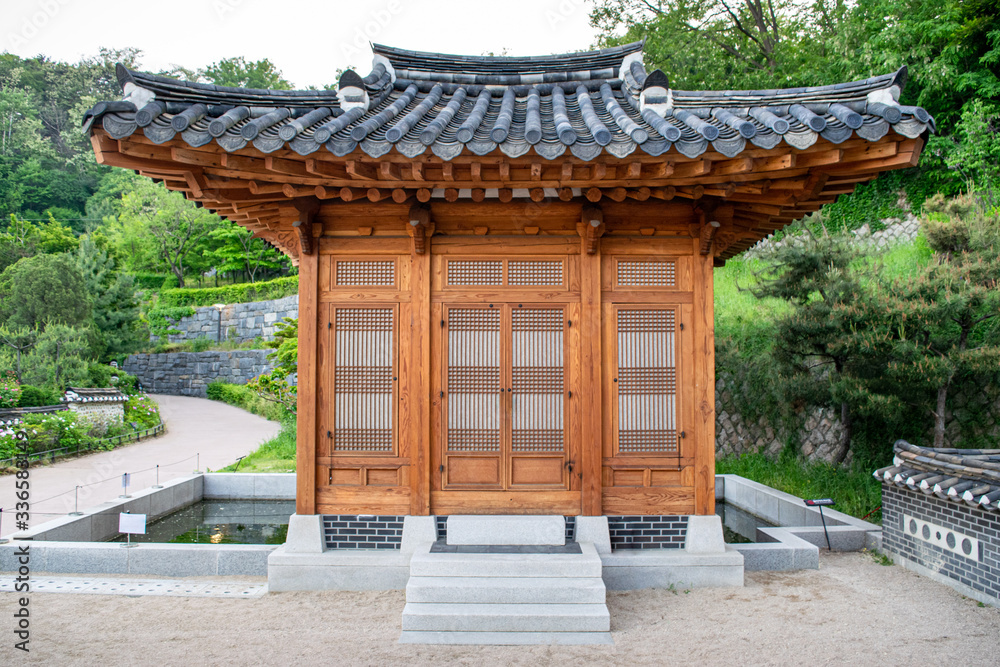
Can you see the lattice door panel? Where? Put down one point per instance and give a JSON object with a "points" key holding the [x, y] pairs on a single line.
{"points": [[538, 380], [472, 379], [364, 342], [645, 382]]}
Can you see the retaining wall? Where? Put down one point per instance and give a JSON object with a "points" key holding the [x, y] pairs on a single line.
{"points": [[240, 321], [189, 373]]}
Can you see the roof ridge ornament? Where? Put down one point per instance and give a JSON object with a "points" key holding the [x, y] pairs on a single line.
{"points": [[656, 94], [351, 91]]}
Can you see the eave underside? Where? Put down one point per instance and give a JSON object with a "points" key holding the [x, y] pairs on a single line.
{"points": [[751, 195]]}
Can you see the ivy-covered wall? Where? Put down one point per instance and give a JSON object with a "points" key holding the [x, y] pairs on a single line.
{"points": [[240, 321]]}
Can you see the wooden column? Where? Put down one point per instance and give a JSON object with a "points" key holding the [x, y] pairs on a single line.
{"points": [[703, 303], [420, 373], [591, 436], [305, 441]]}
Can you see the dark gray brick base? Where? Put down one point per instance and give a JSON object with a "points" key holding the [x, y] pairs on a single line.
{"points": [[647, 532], [350, 531], [982, 576]]}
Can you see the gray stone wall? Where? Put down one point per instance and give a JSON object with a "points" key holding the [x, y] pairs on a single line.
{"points": [[896, 231], [189, 373], [240, 321]]}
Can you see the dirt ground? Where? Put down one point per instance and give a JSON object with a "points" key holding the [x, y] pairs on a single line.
{"points": [[852, 611]]}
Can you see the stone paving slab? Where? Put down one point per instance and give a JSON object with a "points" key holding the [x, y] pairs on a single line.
{"points": [[139, 587]]}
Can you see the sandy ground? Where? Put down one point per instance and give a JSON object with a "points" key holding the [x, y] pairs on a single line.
{"points": [[852, 611]]}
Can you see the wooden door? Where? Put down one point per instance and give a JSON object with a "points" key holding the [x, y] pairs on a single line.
{"points": [[505, 413]]}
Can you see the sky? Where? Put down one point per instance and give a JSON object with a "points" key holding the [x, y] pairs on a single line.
{"points": [[307, 40]]}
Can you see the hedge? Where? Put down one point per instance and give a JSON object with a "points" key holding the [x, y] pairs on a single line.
{"points": [[148, 281], [241, 293]]}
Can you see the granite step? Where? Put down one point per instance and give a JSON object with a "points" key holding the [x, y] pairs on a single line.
{"points": [[504, 638], [585, 564], [438, 617], [506, 590]]}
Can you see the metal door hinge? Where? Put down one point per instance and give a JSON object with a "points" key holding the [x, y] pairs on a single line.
{"points": [[440, 468], [682, 326]]}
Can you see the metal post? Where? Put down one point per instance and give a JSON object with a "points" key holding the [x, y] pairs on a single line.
{"points": [[157, 485], [3, 540], [821, 516], [197, 462], [76, 502]]}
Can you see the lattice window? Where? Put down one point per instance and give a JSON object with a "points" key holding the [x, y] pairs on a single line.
{"points": [[642, 273], [537, 363], [475, 272], [647, 381], [534, 272], [377, 272], [473, 380], [363, 380]]}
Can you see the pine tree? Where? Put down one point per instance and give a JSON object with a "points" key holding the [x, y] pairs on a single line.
{"points": [[116, 312], [813, 274]]}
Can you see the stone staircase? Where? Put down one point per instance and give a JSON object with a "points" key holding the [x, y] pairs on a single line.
{"points": [[506, 580]]}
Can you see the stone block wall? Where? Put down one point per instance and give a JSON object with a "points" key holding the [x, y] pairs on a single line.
{"points": [[240, 321], [189, 373]]}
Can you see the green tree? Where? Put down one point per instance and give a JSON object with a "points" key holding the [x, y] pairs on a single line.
{"points": [[813, 275], [20, 341], [42, 289], [60, 357], [916, 338], [239, 252], [116, 312], [164, 227], [238, 72]]}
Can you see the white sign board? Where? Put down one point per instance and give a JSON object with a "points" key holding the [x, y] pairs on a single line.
{"points": [[134, 524]]}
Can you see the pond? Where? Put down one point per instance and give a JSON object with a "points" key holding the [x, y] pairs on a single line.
{"points": [[738, 525], [221, 522]]}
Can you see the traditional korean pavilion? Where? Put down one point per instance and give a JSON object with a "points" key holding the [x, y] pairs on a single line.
{"points": [[506, 301]]}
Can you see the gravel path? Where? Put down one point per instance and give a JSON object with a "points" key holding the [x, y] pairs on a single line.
{"points": [[850, 611]]}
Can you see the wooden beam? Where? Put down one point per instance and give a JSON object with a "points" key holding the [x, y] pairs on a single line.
{"points": [[591, 434], [703, 348], [307, 208], [359, 170]]}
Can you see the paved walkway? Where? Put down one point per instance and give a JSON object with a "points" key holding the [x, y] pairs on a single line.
{"points": [[199, 432]]}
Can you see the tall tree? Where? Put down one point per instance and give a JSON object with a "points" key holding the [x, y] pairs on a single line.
{"points": [[174, 225], [116, 312], [239, 72], [44, 289]]}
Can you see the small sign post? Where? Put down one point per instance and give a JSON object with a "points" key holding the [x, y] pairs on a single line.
{"points": [[126, 479], [821, 503], [131, 524]]}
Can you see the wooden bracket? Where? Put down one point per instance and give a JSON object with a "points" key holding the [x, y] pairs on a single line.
{"points": [[420, 227], [307, 208], [591, 227], [713, 216]]}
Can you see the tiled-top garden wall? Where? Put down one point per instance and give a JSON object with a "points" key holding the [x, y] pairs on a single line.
{"points": [[240, 321], [950, 539]]}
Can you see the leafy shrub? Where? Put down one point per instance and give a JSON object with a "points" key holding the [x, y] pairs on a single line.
{"points": [[142, 410], [34, 397], [52, 431], [169, 282], [202, 344], [162, 320], [241, 293], [245, 398], [149, 281], [10, 390]]}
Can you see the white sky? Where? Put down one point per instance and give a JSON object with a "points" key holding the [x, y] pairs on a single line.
{"points": [[306, 39]]}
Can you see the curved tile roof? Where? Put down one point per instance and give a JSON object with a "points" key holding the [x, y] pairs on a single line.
{"points": [[961, 475], [583, 104]]}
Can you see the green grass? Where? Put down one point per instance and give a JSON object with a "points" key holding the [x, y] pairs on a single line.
{"points": [[739, 315], [854, 489], [275, 455]]}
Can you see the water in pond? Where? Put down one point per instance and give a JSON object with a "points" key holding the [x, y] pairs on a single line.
{"points": [[738, 525], [222, 522]]}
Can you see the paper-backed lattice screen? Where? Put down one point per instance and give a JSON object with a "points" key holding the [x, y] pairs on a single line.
{"points": [[537, 370], [363, 380], [473, 380], [647, 381]]}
